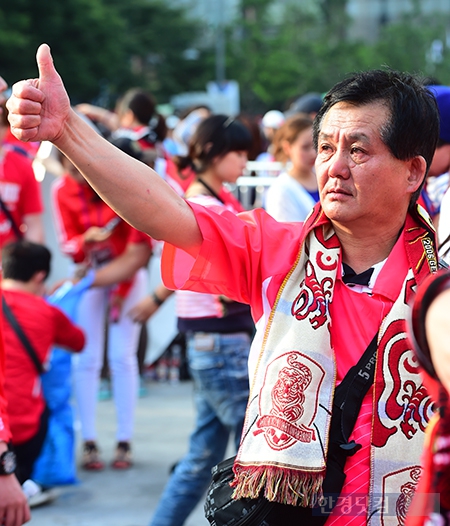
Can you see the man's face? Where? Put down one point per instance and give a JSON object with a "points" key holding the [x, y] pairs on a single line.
{"points": [[361, 183]]}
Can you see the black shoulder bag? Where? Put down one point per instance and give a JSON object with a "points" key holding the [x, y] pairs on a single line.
{"points": [[22, 336], [222, 510]]}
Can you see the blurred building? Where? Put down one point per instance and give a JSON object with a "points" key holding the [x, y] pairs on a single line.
{"points": [[367, 16], [370, 15], [212, 12]]}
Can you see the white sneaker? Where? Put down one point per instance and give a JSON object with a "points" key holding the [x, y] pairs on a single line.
{"points": [[36, 495]]}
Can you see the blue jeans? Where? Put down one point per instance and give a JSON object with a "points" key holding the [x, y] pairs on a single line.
{"points": [[218, 365]]}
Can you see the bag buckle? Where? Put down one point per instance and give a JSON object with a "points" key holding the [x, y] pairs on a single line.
{"points": [[350, 448]]}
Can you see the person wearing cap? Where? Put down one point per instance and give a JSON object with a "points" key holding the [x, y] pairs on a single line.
{"points": [[270, 123], [309, 104], [436, 196]]}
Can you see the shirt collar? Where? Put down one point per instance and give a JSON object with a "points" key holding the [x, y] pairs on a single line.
{"points": [[388, 275]]}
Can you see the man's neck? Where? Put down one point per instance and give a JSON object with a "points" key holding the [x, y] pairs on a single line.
{"points": [[21, 286], [364, 251]]}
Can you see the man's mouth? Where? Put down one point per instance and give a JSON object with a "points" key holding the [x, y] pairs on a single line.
{"points": [[338, 191]]}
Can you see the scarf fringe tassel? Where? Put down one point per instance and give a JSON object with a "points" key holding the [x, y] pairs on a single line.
{"points": [[283, 485]]}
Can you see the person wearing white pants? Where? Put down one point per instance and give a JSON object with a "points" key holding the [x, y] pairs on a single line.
{"points": [[123, 336]]}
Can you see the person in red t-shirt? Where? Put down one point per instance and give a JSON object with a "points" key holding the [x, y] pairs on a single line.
{"points": [[92, 234], [19, 189], [26, 266], [14, 510]]}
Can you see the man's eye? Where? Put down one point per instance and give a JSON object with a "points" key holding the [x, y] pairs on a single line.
{"points": [[356, 150]]}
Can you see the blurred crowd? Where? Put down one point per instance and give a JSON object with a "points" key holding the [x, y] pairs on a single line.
{"points": [[202, 155]]}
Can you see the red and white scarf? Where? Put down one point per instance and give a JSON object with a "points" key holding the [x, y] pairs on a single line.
{"points": [[285, 437]]}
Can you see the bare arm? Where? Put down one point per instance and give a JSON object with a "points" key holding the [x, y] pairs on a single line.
{"points": [[135, 256], [97, 114], [150, 304], [34, 228], [39, 109], [14, 510]]}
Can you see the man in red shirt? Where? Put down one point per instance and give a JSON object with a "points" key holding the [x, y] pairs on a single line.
{"points": [[14, 510], [315, 315], [25, 267]]}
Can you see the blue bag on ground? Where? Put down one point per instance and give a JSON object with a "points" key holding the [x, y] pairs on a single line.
{"points": [[56, 464]]}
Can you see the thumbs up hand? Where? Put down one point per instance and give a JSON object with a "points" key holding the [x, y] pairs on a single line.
{"points": [[39, 108]]}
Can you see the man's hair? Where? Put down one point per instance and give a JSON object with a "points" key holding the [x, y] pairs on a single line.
{"points": [[413, 127], [22, 259]]}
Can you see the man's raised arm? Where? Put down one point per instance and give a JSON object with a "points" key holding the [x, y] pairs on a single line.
{"points": [[39, 110]]}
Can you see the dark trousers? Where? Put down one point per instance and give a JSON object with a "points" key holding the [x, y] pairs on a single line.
{"points": [[28, 452]]}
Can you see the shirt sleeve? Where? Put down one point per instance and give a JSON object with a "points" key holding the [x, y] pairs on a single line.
{"points": [[238, 254], [5, 434], [67, 334], [71, 242], [30, 192]]}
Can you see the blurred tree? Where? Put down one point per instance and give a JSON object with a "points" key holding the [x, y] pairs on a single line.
{"points": [[103, 47], [276, 51], [166, 48], [417, 43], [86, 38], [277, 59]]}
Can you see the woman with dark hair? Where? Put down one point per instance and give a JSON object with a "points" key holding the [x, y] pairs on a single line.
{"points": [[139, 119], [135, 118], [218, 331]]}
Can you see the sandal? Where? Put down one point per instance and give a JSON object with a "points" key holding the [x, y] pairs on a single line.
{"points": [[122, 459], [91, 457]]}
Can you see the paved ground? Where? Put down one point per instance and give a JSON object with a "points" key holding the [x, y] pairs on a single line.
{"points": [[112, 498]]}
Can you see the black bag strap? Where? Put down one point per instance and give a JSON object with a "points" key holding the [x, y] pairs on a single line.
{"points": [[349, 394], [22, 336], [14, 226]]}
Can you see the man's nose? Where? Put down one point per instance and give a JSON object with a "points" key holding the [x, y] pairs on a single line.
{"points": [[339, 165]]}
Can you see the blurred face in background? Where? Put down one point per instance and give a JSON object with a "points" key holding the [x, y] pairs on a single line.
{"points": [[301, 151], [230, 167], [441, 161]]}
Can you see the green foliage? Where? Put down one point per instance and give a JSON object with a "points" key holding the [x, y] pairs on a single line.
{"points": [[276, 51], [309, 50], [156, 44], [406, 46], [78, 32], [103, 47]]}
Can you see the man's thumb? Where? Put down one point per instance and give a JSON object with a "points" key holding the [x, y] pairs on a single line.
{"points": [[44, 60]]}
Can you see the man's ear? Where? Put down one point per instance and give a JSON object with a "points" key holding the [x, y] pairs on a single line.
{"points": [[417, 171], [39, 277]]}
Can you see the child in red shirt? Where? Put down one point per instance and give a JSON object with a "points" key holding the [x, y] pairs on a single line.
{"points": [[26, 265]]}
